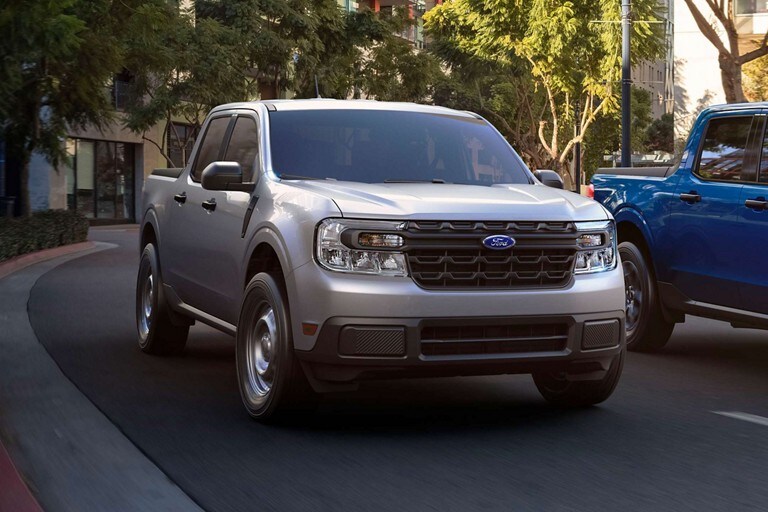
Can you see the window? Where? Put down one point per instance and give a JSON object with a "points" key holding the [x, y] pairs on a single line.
{"points": [[244, 146], [722, 153], [211, 145], [764, 160], [101, 178], [373, 146], [181, 140]]}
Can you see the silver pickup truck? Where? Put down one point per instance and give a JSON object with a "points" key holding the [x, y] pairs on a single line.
{"points": [[345, 240]]}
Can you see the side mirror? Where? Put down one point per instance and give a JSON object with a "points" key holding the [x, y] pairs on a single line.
{"points": [[549, 178], [225, 176]]}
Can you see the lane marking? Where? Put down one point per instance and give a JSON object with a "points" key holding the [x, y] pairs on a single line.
{"points": [[752, 418]]}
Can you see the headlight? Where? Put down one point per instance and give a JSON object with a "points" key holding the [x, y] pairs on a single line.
{"points": [[343, 246], [597, 247]]}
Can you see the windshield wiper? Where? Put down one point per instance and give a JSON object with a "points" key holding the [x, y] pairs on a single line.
{"points": [[284, 176], [433, 180]]}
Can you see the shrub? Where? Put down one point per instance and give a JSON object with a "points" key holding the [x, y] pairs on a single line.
{"points": [[41, 230]]}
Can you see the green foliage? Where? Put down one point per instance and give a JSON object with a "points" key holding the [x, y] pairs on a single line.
{"points": [[57, 60], [41, 230], [555, 45], [756, 79], [661, 134]]}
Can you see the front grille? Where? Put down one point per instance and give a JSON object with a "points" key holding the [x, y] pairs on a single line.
{"points": [[493, 339], [451, 254]]}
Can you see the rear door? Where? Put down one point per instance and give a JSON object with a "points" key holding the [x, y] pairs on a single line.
{"points": [[753, 215], [705, 255]]}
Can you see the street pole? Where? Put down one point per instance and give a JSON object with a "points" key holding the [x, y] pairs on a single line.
{"points": [[577, 159], [626, 83]]}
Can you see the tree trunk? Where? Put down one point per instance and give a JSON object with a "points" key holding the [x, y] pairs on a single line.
{"points": [[24, 206], [730, 73], [267, 90]]}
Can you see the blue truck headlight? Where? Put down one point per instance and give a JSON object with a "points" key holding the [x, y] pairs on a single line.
{"points": [[597, 247], [337, 251]]}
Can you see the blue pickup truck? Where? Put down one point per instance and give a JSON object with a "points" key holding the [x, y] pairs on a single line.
{"points": [[693, 238]]}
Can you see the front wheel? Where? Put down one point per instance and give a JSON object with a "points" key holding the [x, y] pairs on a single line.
{"points": [[558, 390], [647, 330], [271, 381]]}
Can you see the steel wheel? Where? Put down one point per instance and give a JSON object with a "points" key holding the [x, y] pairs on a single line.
{"points": [[147, 295], [271, 381], [158, 334], [259, 352]]}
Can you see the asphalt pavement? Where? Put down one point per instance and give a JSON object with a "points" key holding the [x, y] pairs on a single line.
{"points": [[485, 443]]}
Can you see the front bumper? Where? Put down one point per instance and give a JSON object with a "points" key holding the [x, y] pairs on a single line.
{"points": [[396, 310], [581, 345]]}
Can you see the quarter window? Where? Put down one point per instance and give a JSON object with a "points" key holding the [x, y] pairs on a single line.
{"points": [[244, 146], [210, 146], [722, 154]]}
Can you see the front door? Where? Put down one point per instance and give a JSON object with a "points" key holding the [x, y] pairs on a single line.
{"points": [[705, 252]]}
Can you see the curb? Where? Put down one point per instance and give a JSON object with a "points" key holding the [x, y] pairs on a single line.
{"points": [[16, 496], [20, 262]]}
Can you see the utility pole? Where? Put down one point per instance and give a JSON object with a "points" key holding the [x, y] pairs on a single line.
{"points": [[626, 83]]}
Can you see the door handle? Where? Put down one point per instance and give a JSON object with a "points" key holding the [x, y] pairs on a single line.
{"points": [[210, 205], [759, 203], [180, 198], [691, 197]]}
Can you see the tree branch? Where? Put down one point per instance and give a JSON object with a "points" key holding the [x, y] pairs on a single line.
{"points": [[754, 54], [706, 29]]}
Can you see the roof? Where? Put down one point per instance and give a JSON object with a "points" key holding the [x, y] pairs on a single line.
{"points": [[332, 104], [727, 107]]}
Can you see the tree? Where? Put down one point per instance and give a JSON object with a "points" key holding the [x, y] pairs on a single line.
{"points": [[730, 57], [181, 69], [661, 134], [756, 79], [56, 61], [568, 58]]}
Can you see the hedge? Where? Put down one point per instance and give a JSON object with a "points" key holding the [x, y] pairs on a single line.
{"points": [[41, 230]]}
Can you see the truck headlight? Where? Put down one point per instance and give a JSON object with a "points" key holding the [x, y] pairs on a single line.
{"points": [[597, 247], [353, 246]]}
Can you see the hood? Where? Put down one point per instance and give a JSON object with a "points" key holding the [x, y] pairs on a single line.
{"points": [[442, 201]]}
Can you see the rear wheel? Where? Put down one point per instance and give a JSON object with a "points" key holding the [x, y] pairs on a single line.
{"points": [[271, 380], [558, 390], [647, 330], [157, 332]]}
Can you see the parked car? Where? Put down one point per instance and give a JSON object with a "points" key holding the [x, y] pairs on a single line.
{"points": [[344, 240], [692, 238]]}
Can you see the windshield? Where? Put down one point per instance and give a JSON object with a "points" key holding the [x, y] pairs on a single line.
{"points": [[374, 146]]}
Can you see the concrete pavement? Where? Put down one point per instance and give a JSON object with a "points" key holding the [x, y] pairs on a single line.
{"points": [[70, 452]]}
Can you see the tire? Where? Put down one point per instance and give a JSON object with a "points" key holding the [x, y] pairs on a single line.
{"points": [[558, 390], [157, 333], [646, 328], [271, 381]]}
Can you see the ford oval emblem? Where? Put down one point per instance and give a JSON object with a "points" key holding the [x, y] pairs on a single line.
{"points": [[498, 242]]}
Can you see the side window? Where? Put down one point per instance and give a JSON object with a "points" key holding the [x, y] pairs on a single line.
{"points": [[244, 146], [722, 154], [764, 160], [210, 146]]}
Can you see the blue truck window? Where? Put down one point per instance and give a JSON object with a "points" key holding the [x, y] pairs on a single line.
{"points": [[722, 153]]}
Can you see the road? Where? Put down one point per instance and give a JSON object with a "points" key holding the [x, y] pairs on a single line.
{"points": [[444, 444]]}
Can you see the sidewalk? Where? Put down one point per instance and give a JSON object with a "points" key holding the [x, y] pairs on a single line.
{"points": [[70, 454]]}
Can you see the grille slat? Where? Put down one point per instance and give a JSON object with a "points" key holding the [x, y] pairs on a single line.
{"points": [[493, 339], [450, 254]]}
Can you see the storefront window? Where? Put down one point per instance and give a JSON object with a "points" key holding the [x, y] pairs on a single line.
{"points": [[101, 182]]}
